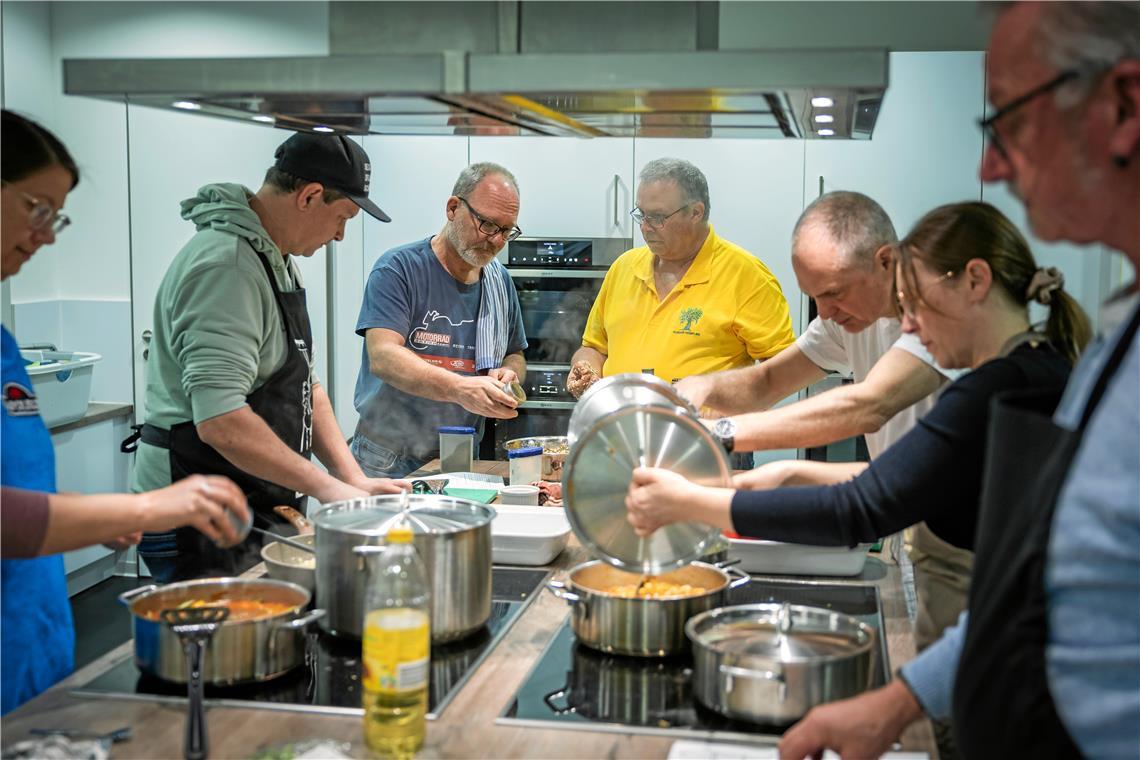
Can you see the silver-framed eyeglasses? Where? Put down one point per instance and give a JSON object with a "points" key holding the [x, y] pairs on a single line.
{"points": [[907, 307], [489, 228], [42, 215], [656, 221]]}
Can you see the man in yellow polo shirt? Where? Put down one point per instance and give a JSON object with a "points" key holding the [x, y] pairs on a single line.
{"points": [[688, 302]]}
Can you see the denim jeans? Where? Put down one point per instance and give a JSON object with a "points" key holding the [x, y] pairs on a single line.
{"points": [[742, 460], [380, 462], [160, 552]]}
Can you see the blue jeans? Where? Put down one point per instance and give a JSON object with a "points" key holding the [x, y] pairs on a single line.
{"points": [[160, 551], [380, 462], [742, 460]]}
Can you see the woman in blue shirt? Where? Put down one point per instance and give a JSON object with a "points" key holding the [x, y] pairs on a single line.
{"points": [[37, 640]]}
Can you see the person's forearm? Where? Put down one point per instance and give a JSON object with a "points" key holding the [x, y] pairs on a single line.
{"points": [[402, 369], [249, 444], [24, 522], [328, 441], [802, 472], [737, 391], [815, 421], [79, 520], [591, 356], [712, 506], [930, 675], [517, 364]]}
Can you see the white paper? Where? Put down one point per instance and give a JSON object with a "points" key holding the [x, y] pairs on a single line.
{"points": [[468, 480], [687, 749]]}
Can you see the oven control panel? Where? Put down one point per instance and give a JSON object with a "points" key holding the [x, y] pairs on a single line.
{"points": [[551, 254], [547, 384]]}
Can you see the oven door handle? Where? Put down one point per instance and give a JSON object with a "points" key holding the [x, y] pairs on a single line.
{"points": [[529, 404]]}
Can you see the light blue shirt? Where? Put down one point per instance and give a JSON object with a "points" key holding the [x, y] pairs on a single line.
{"points": [[1092, 573]]}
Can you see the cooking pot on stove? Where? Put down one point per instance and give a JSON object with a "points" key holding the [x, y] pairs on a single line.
{"points": [[452, 536], [771, 663]]}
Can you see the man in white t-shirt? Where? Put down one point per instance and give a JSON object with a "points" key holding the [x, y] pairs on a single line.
{"points": [[842, 256]]}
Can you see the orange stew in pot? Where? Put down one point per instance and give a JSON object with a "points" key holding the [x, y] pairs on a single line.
{"points": [[241, 610]]}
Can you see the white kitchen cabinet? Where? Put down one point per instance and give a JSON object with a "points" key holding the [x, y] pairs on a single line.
{"points": [[570, 187], [926, 146]]}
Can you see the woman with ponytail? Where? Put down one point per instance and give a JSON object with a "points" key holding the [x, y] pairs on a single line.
{"points": [[966, 277]]}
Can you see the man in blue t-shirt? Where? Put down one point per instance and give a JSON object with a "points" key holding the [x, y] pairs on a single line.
{"points": [[442, 330]]}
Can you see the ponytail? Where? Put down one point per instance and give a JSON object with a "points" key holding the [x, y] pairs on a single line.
{"points": [[1067, 326]]}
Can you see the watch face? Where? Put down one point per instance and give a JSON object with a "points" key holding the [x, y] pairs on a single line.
{"points": [[725, 427]]}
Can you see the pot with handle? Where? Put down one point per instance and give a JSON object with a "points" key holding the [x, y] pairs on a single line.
{"points": [[286, 563], [452, 536], [640, 626]]}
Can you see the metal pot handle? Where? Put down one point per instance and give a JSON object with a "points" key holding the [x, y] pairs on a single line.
{"points": [[297, 624], [731, 673], [367, 550], [742, 578], [727, 563], [549, 700], [558, 588], [127, 596]]}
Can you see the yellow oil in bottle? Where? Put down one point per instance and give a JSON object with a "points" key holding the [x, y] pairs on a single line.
{"points": [[396, 657]]}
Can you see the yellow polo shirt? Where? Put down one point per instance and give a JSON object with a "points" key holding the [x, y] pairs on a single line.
{"points": [[727, 311]]}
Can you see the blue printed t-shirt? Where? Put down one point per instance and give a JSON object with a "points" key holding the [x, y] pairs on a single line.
{"points": [[37, 640], [409, 292]]}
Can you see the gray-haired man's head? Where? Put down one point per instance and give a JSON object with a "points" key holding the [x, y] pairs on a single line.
{"points": [[672, 208], [484, 197]]}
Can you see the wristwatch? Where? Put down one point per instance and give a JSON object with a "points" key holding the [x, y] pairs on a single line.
{"points": [[725, 430]]}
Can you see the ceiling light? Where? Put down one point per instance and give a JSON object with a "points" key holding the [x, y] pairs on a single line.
{"points": [[187, 105], [264, 119], [822, 102], [824, 118], [825, 132], [323, 129]]}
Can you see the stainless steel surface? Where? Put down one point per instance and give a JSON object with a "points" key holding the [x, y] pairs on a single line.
{"points": [[581, 274], [546, 68], [298, 545], [285, 563], [771, 663], [555, 449], [622, 392], [639, 626], [241, 651], [452, 536], [600, 469]]}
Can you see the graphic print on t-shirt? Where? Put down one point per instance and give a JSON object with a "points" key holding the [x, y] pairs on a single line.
{"points": [[439, 331]]}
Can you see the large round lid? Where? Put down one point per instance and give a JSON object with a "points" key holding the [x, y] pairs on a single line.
{"points": [[600, 469], [425, 513], [619, 392], [775, 632]]}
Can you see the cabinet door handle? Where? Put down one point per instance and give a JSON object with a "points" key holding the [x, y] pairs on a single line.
{"points": [[146, 336], [820, 185], [617, 187]]}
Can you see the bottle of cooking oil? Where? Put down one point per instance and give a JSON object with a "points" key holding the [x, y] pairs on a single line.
{"points": [[396, 649]]}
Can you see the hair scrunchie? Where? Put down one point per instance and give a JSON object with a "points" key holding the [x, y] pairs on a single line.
{"points": [[1045, 281]]}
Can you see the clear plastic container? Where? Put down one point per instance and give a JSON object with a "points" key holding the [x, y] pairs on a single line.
{"points": [[396, 650], [526, 465], [456, 449]]}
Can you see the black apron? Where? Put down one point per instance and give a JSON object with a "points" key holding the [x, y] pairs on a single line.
{"points": [[285, 402], [1002, 707]]}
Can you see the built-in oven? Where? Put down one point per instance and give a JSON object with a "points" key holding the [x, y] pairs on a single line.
{"points": [[557, 280]]}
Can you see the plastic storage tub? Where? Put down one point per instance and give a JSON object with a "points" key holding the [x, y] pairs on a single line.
{"points": [[528, 535], [61, 381], [776, 558]]}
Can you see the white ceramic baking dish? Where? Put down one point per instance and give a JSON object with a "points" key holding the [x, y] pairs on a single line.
{"points": [[528, 535], [776, 558]]}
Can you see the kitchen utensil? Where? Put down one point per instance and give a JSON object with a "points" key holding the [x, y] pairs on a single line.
{"points": [[621, 392], [295, 518], [299, 546], [528, 535], [771, 663], [453, 536], [284, 563], [243, 650], [522, 496], [600, 469], [241, 527], [643, 627], [515, 389], [195, 626], [776, 558]]}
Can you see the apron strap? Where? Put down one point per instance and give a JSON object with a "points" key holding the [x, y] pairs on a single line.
{"points": [[1110, 367]]}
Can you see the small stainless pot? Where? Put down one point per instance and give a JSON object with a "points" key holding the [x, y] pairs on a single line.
{"points": [[638, 626], [555, 449], [240, 651], [285, 563], [771, 663], [452, 536]]}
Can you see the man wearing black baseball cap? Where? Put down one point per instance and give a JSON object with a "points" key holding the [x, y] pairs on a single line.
{"points": [[230, 382]]}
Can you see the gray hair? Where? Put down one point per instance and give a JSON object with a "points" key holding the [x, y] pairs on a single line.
{"points": [[694, 186], [857, 224], [472, 175]]}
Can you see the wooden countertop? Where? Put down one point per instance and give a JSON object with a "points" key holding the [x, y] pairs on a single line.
{"points": [[467, 727]]}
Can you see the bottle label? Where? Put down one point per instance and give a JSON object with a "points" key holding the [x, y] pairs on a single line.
{"points": [[397, 643]]}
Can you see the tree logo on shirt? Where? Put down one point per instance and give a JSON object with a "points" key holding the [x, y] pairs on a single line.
{"points": [[20, 401], [689, 317]]}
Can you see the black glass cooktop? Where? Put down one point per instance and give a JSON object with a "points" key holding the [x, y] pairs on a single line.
{"points": [[573, 686], [329, 680]]}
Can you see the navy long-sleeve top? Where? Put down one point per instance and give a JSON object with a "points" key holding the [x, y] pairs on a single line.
{"points": [[932, 474]]}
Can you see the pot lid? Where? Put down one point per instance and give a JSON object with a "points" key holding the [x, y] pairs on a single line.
{"points": [[783, 633], [599, 471], [426, 514], [620, 391]]}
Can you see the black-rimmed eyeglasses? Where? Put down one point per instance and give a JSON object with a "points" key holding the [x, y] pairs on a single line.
{"points": [[42, 215], [989, 124], [489, 228], [655, 221]]}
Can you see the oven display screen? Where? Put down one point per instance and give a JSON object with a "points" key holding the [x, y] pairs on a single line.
{"points": [[551, 249]]}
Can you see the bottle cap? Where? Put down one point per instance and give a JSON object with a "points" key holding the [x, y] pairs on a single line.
{"points": [[400, 533]]}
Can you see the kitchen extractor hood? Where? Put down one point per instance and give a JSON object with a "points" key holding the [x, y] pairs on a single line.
{"points": [[646, 69]]}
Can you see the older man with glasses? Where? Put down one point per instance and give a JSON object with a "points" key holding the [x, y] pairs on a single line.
{"points": [[442, 328], [1046, 660], [687, 303]]}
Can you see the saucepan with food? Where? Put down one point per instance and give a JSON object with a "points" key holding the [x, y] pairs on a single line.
{"points": [[262, 638], [288, 563], [642, 615]]}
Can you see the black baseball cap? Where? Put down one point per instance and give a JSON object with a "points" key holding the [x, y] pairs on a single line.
{"points": [[335, 161]]}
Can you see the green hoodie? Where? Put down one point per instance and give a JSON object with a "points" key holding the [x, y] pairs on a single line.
{"points": [[218, 334]]}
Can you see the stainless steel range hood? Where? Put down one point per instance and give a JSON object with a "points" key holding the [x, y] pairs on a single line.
{"points": [[517, 68]]}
